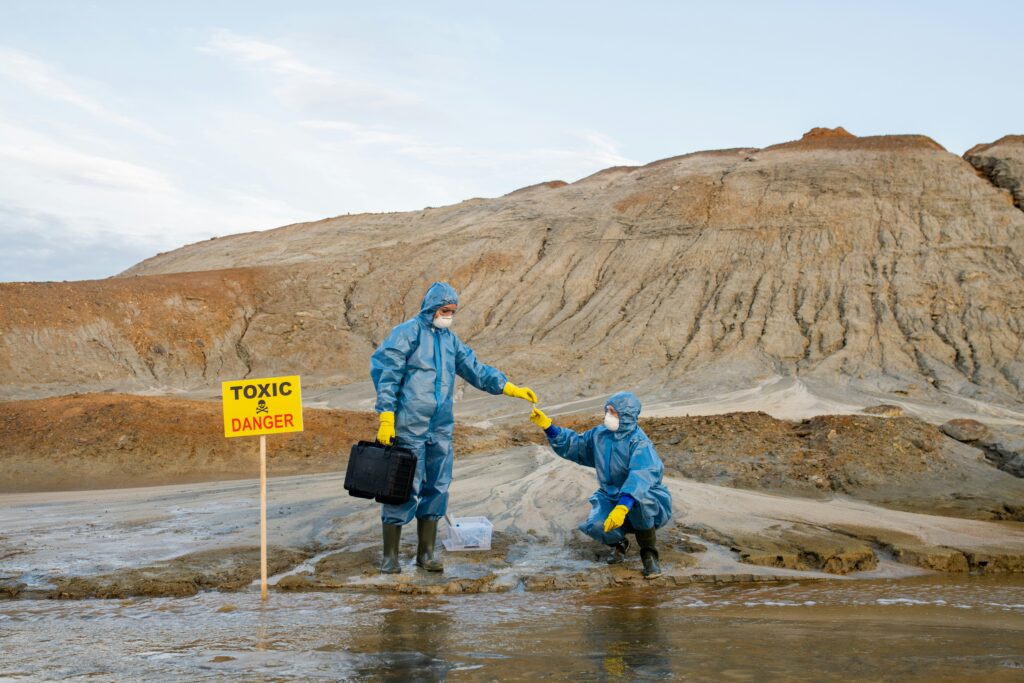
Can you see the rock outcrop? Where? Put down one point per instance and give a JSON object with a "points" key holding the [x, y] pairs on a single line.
{"points": [[1002, 163], [1004, 447], [965, 430]]}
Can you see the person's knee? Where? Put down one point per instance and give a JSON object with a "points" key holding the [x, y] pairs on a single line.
{"points": [[595, 530], [432, 506], [400, 515], [434, 486], [646, 514]]}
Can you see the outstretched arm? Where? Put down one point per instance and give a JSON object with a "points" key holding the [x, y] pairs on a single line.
{"points": [[481, 376], [484, 377], [566, 443]]}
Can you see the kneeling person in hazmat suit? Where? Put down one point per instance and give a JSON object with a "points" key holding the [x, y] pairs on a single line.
{"points": [[413, 371], [631, 497]]}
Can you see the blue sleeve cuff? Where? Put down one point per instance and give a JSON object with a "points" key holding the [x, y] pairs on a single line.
{"points": [[551, 431], [627, 500]]}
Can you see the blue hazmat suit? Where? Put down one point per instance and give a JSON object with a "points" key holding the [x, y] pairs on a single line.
{"points": [[413, 371], [626, 465]]}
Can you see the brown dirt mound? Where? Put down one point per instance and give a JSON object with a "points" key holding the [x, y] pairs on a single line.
{"points": [[89, 301], [821, 453], [818, 132], [143, 326], [634, 200], [550, 185], [901, 462], [841, 139], [986, 146], [87, 441]]}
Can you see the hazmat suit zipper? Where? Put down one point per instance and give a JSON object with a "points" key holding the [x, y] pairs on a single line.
{"points": [[437, 375], [608, 464]]}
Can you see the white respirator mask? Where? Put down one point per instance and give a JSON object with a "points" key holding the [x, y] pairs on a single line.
{"points": [[611, 422], [443, 321]]}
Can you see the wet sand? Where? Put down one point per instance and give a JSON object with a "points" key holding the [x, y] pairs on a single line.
{"points": [[125, 542]]}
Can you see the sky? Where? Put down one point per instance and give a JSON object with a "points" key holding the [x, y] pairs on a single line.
{"points": [[130, 128]]}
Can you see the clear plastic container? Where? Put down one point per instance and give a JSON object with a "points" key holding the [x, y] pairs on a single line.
{"points": [[469, 533]]}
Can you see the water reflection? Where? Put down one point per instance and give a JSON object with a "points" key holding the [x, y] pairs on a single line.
{"points": [[629, 641], [410, 644], [934, 629]]}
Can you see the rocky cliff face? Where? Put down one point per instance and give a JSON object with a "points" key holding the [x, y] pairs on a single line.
{"points": [[882, 261], [1002, 163]]}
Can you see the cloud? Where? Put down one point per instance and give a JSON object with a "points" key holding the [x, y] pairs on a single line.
{"points": [[66, 213], [253, 51], [596, 151], [47, 82], [361, 135], [41, 154], [301, 85], [79, 201], [602, 149], [41, 245], [89, 236]]}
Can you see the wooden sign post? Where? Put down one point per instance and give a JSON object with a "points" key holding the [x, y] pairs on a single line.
{"points": [[254, 407]]}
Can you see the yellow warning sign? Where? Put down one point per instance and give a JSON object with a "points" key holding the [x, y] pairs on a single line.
{"points": [[262, 406]]}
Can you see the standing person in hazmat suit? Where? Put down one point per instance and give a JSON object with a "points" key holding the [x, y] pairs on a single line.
{"points": [[413, 371], [631, 497]]}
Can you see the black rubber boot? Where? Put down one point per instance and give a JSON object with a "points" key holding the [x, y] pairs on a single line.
{"points": [[649, 553], [618, 555], [426, 530], [392, 537]]}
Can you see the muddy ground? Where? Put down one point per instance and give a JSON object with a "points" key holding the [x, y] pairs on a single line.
{"points": [[756, 498], [182, 539]]}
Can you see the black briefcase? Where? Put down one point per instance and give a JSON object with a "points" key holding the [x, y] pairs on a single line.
{"points": [[384, 473]]}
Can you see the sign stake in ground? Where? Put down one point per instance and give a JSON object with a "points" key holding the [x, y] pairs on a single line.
{"points": [[263, 517], [257, 407]]}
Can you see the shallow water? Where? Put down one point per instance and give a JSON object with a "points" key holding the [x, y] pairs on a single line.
{"points": [[920, 629]]}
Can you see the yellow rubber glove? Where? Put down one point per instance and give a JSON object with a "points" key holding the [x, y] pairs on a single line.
{"points": [[616, 518], [524, 393], [540, 419], [386, 431]]}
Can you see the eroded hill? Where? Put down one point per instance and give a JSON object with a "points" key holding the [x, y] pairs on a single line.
{"points": [[883, 262]]}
